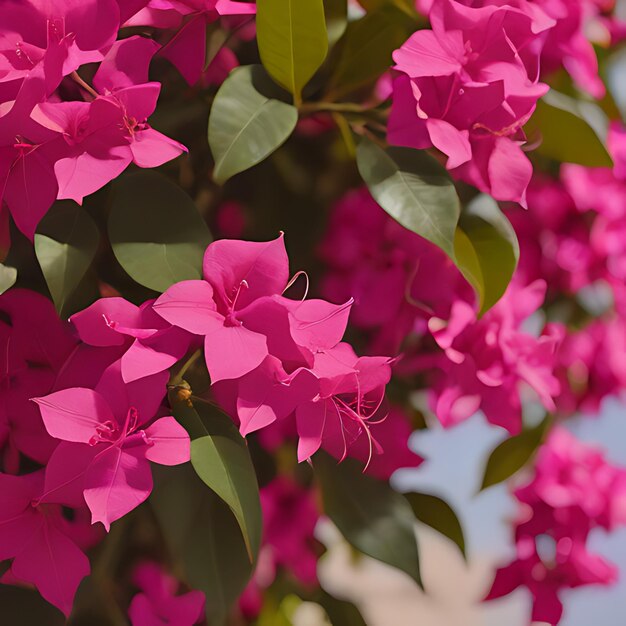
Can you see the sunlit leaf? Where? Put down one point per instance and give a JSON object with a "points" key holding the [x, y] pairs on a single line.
{"points": [[371, 516], [156, 232], [439, 515], [513, 454], [203, 538], [247, 122], [66, 242], [292, 40], [486, 250], [8, 276], [570, 130], [414, 189], [220, 456]]}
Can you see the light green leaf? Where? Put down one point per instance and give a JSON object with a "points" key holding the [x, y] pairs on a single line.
{"points": [[570, 130], [486, 250], [66, 243], [156, 232], [371, 516], [202, 537], [292, 40], [221, 458], [414, 189], [513, 454], [366, 47], [8, 276], [336, 13], [439, 515], [247, 122]]}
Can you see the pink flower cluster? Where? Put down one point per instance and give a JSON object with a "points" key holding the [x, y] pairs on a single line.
{"points": [[83, 401], [468, 86], [157, 602], [62, 138], [573, 491], [409, 296], [95, 442]]}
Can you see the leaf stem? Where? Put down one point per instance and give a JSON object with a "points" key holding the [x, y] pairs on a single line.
{"points": [[87, 87], [178, 377]]}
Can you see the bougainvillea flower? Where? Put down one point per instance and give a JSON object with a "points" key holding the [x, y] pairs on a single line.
{"points": [[467, 87], [350, 402], [158, 603], [186, 49], [108, 443], [98, 140], [151, 345], [487, 359], [39, 540], [235, 274]]}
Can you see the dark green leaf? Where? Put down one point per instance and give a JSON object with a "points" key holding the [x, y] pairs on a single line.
{"points": [[8, 276], [372, 517], [513, 454], [438, 514], [571, 131], [340, 612], [292, 40], [486, 250], [221, 458], [366, 48], [414, 189], [202, 537], [65, 244], [247, 123], [156, 231]]}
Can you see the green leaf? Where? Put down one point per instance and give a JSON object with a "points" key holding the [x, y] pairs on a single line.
{"points": [[336, 13], [513, 454], [247, 122], [8, 276], [486, 250], [221, 458], [340, 612], [366, 48], [371, 516], [439, 515], [292, 40], [66, 243], [414, 189], [156, 232], [202, 537], [571, 131]]}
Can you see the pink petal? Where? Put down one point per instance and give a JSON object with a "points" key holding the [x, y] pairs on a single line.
{"points": [[263, 266], [187, 49], [451, 141], [509, 171], [151, 148], [125, 64], [168, 442], [310, 420], [232, 351], [117, 482], [189, 305], [228, 7], [65, 473], [74, 414], [142, 360], [426, 54], [54, 564], [96, 324]]}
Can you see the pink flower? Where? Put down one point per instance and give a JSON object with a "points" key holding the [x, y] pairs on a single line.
{"points": [[97, 140], [236, 273], [151, 344], [573, 491], [186, 49], [486, 360], [467, 87], [39, 540], [106, 449], [158, 603]]}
